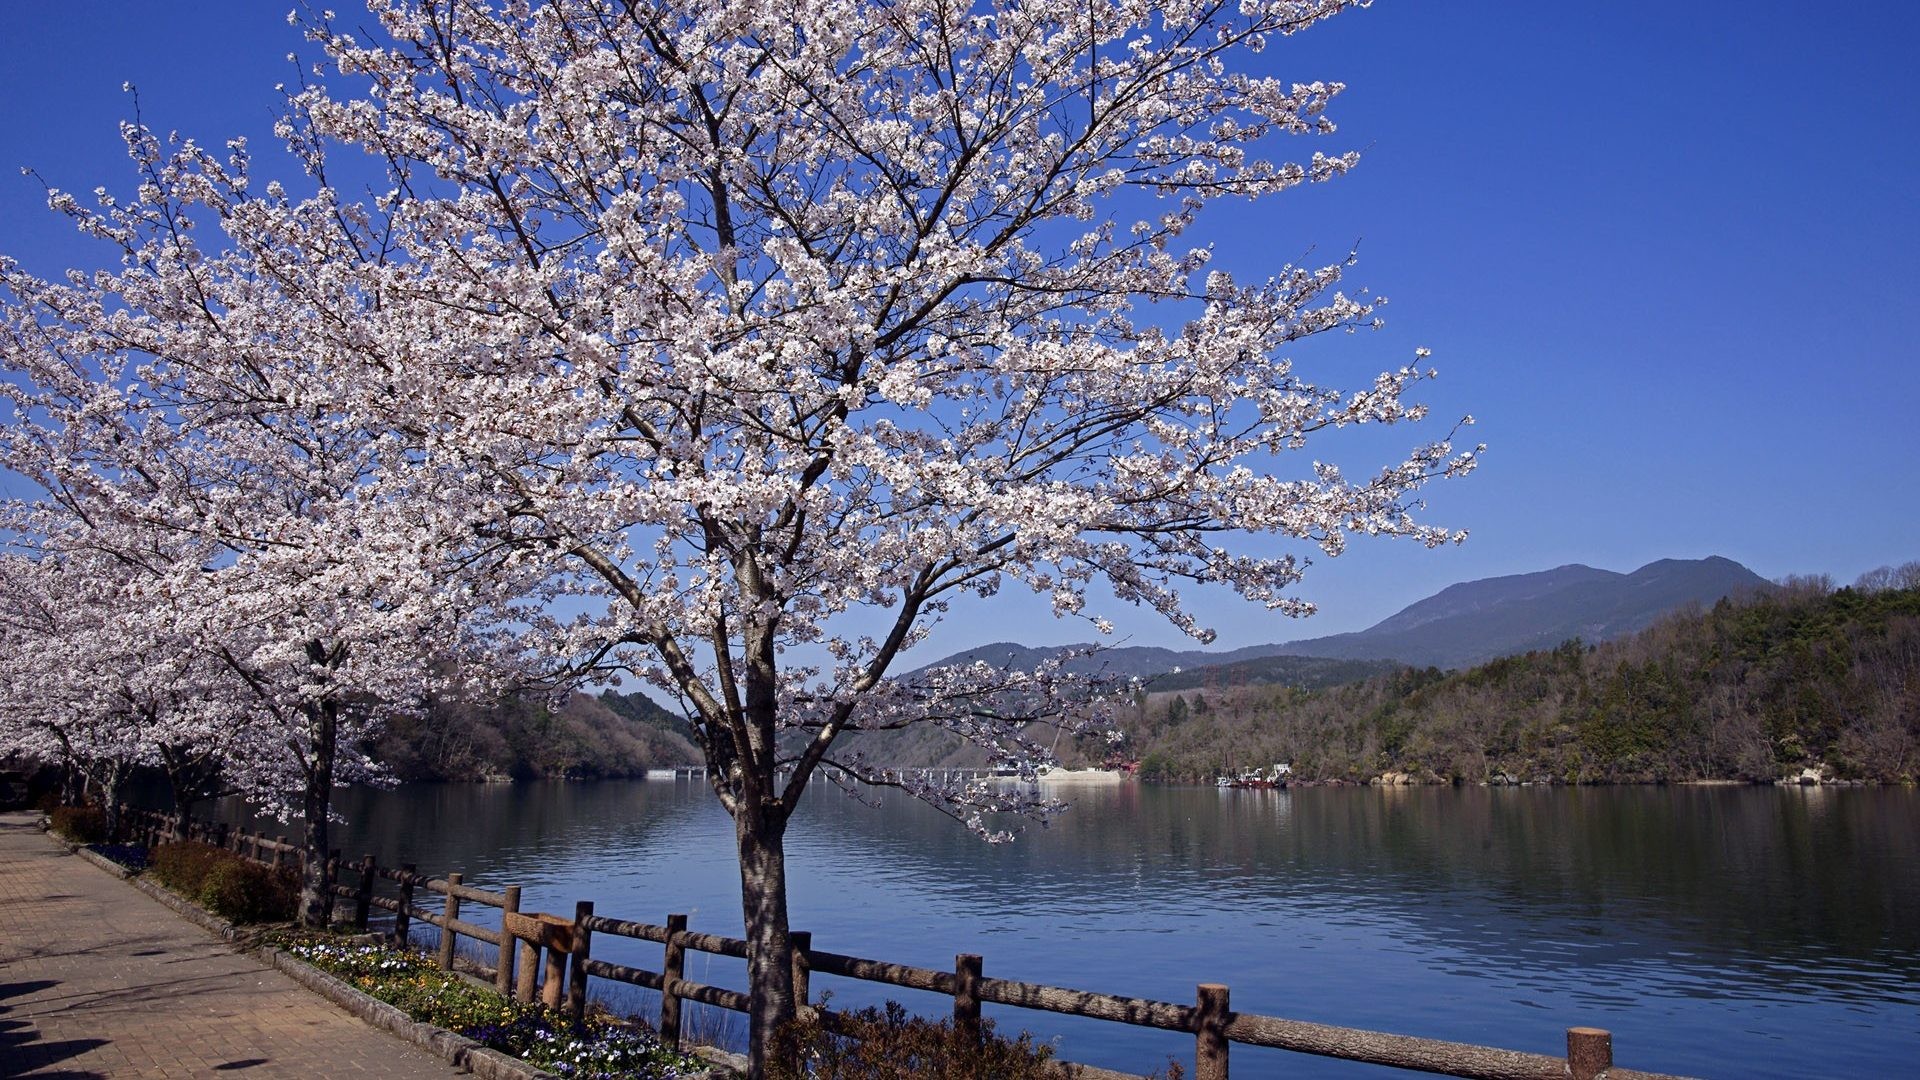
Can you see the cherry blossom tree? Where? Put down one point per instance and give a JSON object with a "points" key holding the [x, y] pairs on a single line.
{"points": [[96, 674], [174, 416], [781, 329], [51, 708], [761, 335]]}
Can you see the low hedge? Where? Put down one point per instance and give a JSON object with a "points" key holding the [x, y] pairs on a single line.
{"points": [[892, 1044], [235, 888], [80, 824], [247, 892]]}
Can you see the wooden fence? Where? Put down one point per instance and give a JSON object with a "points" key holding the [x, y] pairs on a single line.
{"points": [[566, 944]]}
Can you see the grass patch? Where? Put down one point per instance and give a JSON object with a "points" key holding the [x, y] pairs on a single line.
{"points": [[599, 1048]]}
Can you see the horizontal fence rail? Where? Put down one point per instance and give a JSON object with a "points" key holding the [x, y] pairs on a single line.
{"points": [[524, 939]]}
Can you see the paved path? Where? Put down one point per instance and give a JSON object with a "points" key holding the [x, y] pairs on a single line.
{"points": [[100, 980]]}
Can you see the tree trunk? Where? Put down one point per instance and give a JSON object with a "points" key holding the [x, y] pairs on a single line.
{"points": [[761, 836], [73, 785], [115, 785], [316, 898], [189, 778], [184, 801]]}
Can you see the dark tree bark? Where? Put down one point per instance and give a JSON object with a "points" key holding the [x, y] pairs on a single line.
{"points": [[316, 898], [763, 894]]}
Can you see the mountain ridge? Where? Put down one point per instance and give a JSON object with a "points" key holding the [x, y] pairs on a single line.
{"points": [[1464, 624]]}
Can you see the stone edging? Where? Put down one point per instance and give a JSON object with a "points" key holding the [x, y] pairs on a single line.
{"points": [[101, 861], [455, 1049]]}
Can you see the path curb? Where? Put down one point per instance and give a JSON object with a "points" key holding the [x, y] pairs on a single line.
{"points": [[103, 862]]}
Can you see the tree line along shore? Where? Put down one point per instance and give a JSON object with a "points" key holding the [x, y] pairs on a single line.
{"points": [[1756, 689], [1801, 680]]}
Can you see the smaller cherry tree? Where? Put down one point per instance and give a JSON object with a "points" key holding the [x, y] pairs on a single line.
{"points": [[97, 675], [316, 580]]}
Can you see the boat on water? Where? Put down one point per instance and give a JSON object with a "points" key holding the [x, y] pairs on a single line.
{"points": [[1047, 774], [1276, 777]]}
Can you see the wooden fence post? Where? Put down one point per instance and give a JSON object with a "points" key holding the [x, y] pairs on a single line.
{"points": [[220, 831], [671, 968], [966, 995], [449, 912], [801, 940], [503, 976], [557, 939], [1210, 1032], [279, 851], [529, 971], [582, 949], [363, 895], [1589, 1052], [403, 919]]}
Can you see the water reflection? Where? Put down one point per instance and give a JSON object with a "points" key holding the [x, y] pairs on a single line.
{"points": [[1717, 931]]}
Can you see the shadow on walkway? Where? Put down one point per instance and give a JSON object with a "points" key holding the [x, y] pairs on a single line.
{"points": [[21, 1049]]}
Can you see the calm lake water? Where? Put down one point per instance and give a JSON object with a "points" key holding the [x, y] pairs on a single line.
{"points": [[1723, 932]]}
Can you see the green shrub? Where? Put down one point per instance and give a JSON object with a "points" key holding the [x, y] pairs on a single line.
{"points": [[246, 892], [183, 867], [81, 824], [873, 1044], [235, 888], [889, 1044]]}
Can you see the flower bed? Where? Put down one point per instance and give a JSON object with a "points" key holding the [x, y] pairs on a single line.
{"points": [[600, 1048], [131, 856]]}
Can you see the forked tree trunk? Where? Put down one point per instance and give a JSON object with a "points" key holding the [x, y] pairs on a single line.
{"points": [[763, 895], [316, 898]]}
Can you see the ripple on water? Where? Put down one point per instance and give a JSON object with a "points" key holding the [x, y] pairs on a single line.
{"points": [[1789, 931]]}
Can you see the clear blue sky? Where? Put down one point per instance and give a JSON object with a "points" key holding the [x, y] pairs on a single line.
{"points": [[1668, 254]]}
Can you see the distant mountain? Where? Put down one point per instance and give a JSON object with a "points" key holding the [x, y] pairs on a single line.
{"points": [[1476, 621], [1461, 625]]}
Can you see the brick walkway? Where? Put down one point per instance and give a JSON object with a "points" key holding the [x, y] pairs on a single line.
{"points": [[99, 980]]}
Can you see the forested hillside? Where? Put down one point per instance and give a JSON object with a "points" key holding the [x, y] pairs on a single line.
{"points": [[1802, 676], [610, 735]]}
